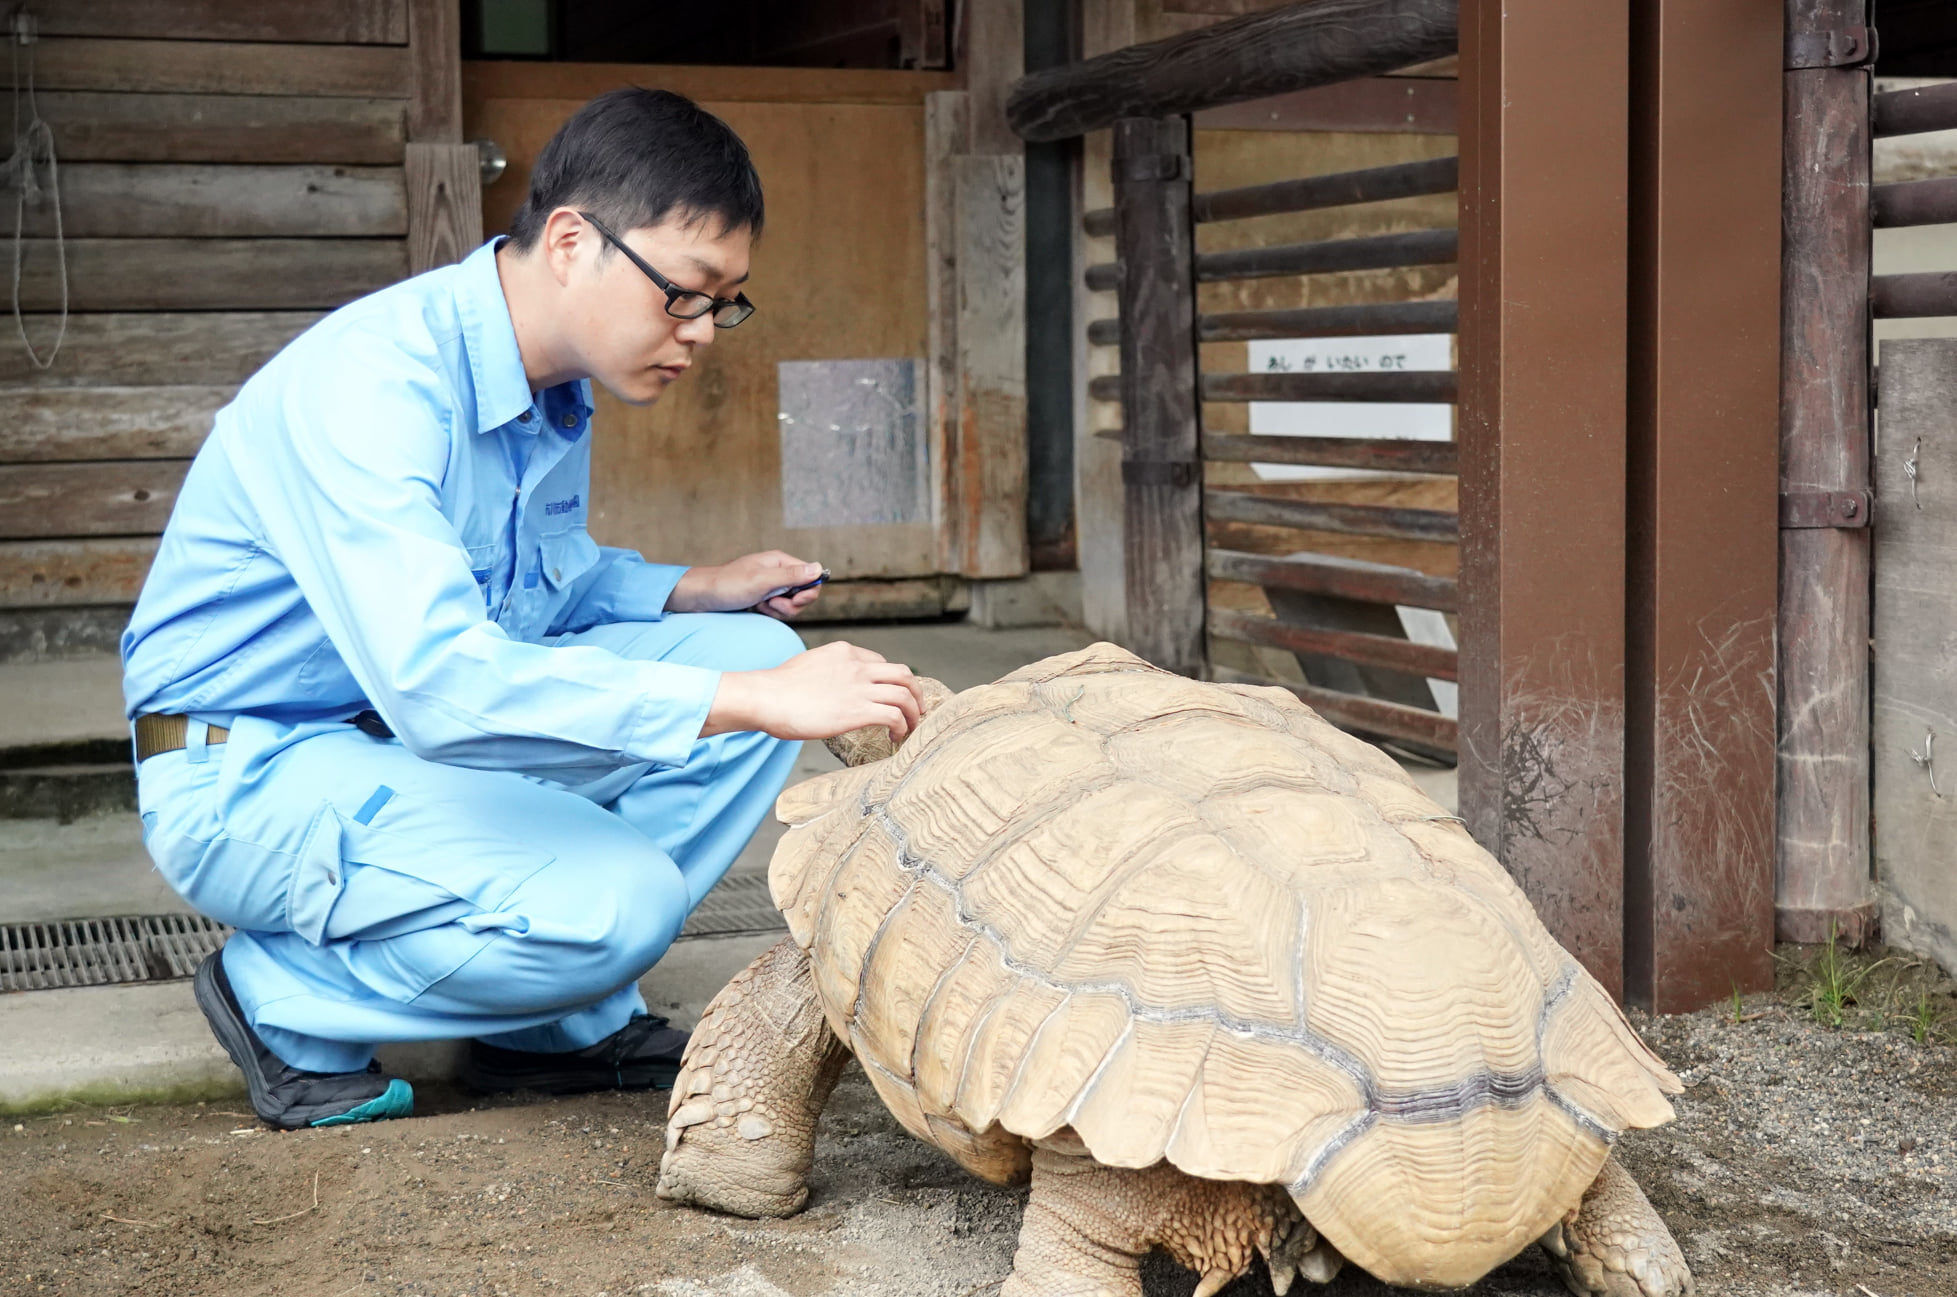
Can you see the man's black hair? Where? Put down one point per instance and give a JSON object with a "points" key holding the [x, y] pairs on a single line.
{"points": [[634, 157]]}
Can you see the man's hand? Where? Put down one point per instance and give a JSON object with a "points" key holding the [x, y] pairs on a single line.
{"points": [[751, 582], [818, 695]]}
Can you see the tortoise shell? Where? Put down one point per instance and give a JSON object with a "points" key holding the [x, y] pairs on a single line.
{"points": [[1196, 922]]}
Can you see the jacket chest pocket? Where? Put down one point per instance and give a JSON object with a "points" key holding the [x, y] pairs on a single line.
{"points": [[546, 582], [488, 565]]}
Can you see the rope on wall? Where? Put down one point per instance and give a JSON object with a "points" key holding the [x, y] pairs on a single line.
{"points": [[33, 154]]}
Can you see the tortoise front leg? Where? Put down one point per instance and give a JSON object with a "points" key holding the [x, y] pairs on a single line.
{"points": [[1088, 1227], [740, 1130], [1615, 1244]]}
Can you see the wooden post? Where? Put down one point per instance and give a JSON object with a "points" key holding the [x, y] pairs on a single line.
{"points": [[1161, 471], [1704, 468], [1822, 880], [443, 175], [1542, 430]]}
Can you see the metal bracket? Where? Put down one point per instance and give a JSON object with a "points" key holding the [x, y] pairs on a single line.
{"points": [[1153, 167], [1180, 473], [1842, 48], [1807, 509]]}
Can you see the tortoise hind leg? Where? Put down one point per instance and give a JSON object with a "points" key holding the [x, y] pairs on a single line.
{"points": [[1615, 1244], [1088, 1227], [740, 1129]]}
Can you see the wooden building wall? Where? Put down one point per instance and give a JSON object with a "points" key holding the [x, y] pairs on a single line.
{"points": [[228, 173]]}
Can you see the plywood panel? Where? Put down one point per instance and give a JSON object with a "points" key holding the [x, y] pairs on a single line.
{"points": [[839, 275], [166, 200], [208, 274], [220, 68], [381, 22], [155, 348], [93, 126]]}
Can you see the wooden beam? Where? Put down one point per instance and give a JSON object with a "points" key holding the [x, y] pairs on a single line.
{"points": [[1277, 52], [150, 349], [329, 22], [1351, 712], [444, 204], [1368, 105], [946, 137], [91, 126], [990, 220], [1340, 189], [1339, 578], [1916, 110], [208, 274], [1542, 433], [435, 53], [1352, 646], [216, 68], [576, 82], [1822, 880], [1161, 476], [1436, 525], [1327, 256], [74, 573], [991, 57], [1377, 454], [118, 498], [1419, 386], [166, 200], [55, 424], [1914, 296], [1704, 384]]}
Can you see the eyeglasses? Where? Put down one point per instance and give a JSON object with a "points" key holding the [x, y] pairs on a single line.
{"points": [[682, 304]]}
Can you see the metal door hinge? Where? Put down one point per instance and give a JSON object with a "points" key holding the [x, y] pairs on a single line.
{"points": [[1844, 47], [1160, 472], [1804, 509]]}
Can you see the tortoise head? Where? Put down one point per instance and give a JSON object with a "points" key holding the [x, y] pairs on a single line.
{"points": [[873, 742]]}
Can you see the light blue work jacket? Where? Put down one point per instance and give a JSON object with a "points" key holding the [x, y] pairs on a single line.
{"points": [[387, 517]]}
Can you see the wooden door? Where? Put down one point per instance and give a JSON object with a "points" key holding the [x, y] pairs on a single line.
{"points": [[838, 276]]}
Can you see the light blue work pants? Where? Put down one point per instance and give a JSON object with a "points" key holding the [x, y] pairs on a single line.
{"points": [[380, 897]]}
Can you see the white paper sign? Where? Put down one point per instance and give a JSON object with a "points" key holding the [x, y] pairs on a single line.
{"points": [[1369, 355]]}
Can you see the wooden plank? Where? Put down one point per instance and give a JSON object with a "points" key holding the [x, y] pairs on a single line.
{"points": [[1353, 646], [1350, 712], [435, 53], [118, 498], [1915, 714], [990, 54], [1399, 105], [1348, 519], [1369, 185], [208, 274], [218, 68], [577, 82], [946, 137], [91, 126], [1378, 454], [74, 573], [157, 348], [165, 200], [444, 204], [1377, 252], [1253, 57], [991, 234], [1419, 386], [1544, 155], [1344, 578], [1161, 476], [1704, 461], [1365, 320], [54, 424], [329, 22], [1822, 857]]}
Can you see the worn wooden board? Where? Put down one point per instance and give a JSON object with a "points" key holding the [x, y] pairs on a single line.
{"points": [[220, 67], [208, 274], [97, 126], [1915, 649], [435, 48], [74, 573], [332, 22], [53, 424], [167, 200], [991, 470], [946, 139], [512, 79], [155, 348], [116, 498], [840, 274], [444, 204]]}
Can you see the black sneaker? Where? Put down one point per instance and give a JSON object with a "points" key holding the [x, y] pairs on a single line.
{"points": [[286, 1098], [644, 1054]]}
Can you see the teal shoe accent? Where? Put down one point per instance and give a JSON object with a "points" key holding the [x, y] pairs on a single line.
{"points": [[398, 1100]]}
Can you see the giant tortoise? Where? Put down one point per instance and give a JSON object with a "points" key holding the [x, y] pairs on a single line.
{"points": [[1218, 976]]}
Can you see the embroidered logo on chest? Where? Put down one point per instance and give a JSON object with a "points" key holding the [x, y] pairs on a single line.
{"points": [[554, 507]]}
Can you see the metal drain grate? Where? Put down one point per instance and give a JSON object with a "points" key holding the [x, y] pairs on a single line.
{"points": [[101, 952], [737, 904]]}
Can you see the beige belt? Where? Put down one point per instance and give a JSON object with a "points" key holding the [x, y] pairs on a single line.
{"points": [[156, 732]]}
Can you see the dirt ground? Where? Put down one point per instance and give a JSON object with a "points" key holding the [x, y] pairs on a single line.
{"points": [[1807, 1159]]}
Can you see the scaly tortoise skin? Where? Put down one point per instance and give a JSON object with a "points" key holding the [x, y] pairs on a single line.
{"points": [[1099, 916]]}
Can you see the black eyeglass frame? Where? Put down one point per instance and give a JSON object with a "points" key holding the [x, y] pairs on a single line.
{"points": [[673, 291]]}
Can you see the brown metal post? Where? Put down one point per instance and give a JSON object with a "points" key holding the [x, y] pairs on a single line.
{"points": [[1822, 881], [1543, 165], [1161, 474], [1703, 473]]}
